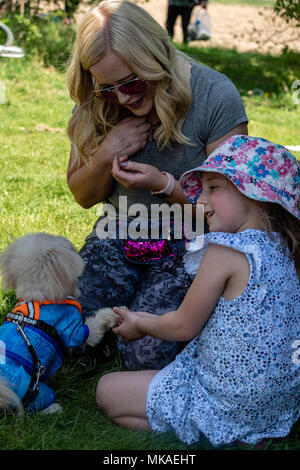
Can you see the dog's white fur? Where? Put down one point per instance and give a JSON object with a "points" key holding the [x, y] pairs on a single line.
{"points": [[104, 319], [40, 266], [8, 397]]}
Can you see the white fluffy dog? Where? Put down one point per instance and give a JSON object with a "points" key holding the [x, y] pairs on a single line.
{"points": [[43, 270]]}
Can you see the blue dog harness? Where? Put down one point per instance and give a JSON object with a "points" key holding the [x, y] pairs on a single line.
{"points": [[37, 333]]}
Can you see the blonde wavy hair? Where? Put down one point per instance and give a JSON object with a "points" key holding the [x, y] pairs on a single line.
{"points": [[128, 30]]}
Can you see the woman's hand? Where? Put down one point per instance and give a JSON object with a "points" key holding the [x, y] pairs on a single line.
{"points": [[134, 175], [128, 325], [128, 136]]}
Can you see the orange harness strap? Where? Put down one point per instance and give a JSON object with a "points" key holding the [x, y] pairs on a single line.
{"points": [[32, 309]]}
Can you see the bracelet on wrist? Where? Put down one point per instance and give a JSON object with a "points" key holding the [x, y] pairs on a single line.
{"points": [[168, 190]]}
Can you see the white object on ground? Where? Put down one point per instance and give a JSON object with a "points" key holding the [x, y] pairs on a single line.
{"points": [[54, 408], [11, 51], [294, 148], [8, 50]]}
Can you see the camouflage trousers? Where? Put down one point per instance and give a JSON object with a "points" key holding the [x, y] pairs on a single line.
{"points": [[109, 279]]}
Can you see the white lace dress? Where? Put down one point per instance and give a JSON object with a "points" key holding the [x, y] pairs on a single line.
{"points": [[239, 379]]}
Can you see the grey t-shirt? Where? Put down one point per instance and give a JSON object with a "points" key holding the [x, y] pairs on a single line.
{"points": [[216, 109]]}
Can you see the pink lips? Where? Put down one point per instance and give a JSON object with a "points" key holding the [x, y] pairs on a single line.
{"points": [[208, 214], [137, 103]]}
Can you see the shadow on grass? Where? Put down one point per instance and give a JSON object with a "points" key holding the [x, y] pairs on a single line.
{"points": [[250, 70]]}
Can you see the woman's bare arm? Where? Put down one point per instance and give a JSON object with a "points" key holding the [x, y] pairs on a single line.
{"points": [[240, 129], [93, 183]]}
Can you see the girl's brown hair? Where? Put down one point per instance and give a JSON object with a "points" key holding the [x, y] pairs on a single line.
{"points": [[275, 218]]}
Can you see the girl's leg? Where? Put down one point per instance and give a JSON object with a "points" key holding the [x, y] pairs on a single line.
{"points": [[122, 396]]}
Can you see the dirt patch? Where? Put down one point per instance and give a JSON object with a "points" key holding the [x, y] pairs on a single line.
{"points": [[242, 27]]}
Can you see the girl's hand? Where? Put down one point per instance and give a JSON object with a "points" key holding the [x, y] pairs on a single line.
{"points": [[128, 137], [128, 327], [134, 175]]}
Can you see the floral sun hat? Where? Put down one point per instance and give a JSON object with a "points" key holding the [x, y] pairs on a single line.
{"points": [[258, 168]]}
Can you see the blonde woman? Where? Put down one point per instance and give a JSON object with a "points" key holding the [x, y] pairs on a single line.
{"points": [[145, 114]]}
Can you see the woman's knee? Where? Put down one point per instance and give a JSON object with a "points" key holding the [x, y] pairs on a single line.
{"points": [[107, 279]]}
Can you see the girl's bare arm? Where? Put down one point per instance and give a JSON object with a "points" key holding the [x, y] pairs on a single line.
{"points": [[219, 267]]}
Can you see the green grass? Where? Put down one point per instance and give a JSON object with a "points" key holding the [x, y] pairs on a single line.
{"points": [[34, 191], [273, 114], [34, 197]]}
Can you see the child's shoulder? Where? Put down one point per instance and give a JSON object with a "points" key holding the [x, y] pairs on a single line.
{"points": [[246, 236], [249, 241], [225, 258], [255, 243], [252, 246]]}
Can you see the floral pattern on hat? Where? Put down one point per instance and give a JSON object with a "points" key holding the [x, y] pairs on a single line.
{"points": [[258, 168]]}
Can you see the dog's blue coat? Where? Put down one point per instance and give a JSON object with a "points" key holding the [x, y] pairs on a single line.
{"points": [[17, 369]]}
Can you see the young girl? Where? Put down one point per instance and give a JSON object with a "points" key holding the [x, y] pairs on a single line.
{"points": [[238, 379]]}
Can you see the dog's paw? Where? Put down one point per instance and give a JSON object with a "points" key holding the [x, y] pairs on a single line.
{"points": [[54, 408], [103, 320]]}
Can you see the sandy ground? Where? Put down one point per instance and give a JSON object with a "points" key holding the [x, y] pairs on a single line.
{"points": [[242, 27]]}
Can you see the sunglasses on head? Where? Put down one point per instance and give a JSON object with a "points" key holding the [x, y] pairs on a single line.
{"points": [[134, 86]]}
